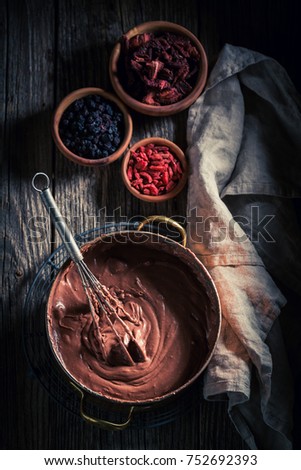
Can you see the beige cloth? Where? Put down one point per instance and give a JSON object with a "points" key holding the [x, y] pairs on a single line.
{"points": [[244, 137]]}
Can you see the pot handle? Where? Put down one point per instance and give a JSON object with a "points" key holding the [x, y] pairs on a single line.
{"points": [[103, 424], [167, 220]]}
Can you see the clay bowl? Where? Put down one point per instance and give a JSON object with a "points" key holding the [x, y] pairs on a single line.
{"points": [[175, 150], [127, 127], [117, 79]]}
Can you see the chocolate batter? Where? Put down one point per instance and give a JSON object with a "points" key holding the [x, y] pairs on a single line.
{"points": [[165, 307]]}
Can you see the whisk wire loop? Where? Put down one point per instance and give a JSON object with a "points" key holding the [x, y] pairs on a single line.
{"points": [[104, 307]]}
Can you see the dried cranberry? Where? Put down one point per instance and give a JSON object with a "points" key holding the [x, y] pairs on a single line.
{"points": [[159, 69]]}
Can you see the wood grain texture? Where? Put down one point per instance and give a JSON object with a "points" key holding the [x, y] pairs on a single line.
{"points": [[29, 99], [49, 49]]}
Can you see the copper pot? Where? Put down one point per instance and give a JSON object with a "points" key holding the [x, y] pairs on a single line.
{"points": [[209, 318]]}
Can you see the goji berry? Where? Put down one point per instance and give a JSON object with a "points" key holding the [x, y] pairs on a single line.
{"points": [[153, 190], [141, 165], [157, 157], [130, 172], [147, 176], [157, 167], [153, 169], [165, 178], [170, 186]]}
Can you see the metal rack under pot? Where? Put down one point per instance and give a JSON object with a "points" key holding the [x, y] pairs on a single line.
{"points": [[45, 367]]}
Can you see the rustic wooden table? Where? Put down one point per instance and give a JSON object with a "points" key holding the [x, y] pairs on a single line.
{"points": [[47, 50]]}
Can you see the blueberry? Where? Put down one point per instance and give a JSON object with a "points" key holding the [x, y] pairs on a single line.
{"points": [[91, 127], [91, 104], [81, 118], [78, 104], [80, 127], [90, 119], [97, 122]]}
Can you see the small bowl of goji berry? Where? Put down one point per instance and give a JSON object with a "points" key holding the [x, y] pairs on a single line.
{"points": [[158, 68], [92, 127], [154, 169]]}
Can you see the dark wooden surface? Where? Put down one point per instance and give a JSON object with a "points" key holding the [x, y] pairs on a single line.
{"points": [[47, 50]]}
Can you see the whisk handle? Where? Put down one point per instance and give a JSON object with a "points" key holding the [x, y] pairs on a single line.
{"points": [[57, 218]]}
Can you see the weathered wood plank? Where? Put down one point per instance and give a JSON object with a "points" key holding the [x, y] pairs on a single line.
{"points": [[27, 148]]}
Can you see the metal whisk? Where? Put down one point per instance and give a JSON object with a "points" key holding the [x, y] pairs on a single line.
{"points": [[103, 305]]}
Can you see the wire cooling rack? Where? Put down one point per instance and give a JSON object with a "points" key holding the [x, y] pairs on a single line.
{"points": [[45, 368]]}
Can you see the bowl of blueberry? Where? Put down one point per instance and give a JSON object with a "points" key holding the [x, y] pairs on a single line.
{"points": [[92, 127], [158, 68]]}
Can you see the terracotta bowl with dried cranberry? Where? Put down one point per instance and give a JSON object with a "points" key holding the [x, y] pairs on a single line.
{"points": [[158, 68], [154, 169], [92, 127]]}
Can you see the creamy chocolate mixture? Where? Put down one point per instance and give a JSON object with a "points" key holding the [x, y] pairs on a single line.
{"points": [[164, 306]]}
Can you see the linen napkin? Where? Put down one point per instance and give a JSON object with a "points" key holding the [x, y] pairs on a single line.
{"points": [[244, 148]]}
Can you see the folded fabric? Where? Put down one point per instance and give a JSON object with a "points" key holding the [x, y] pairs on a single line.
{"points": [[244, 144]]}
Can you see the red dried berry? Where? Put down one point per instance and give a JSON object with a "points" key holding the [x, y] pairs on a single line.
{"points": [[159, 68], [130, 172], [146, 176], [156, 156], [157, 167], [141, 165], [171, 185], [165, 178], [153, 189], [153, 170]]}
